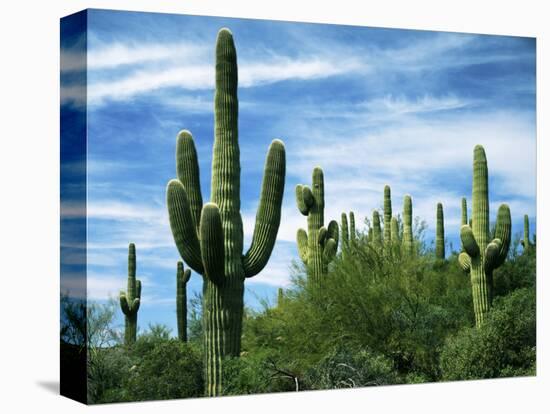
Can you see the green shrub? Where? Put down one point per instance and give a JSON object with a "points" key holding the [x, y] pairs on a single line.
{"points": [[505, 345]]}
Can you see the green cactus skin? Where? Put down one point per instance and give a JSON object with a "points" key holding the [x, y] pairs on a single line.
{"points": [[348, 234], [387, 215], [209, 238], [182, 277], [526, 242], [481, 255], [395, 237], [439, 234], [131, 299], [376, 229], [370, 235], [318, 246], [408, 242]]}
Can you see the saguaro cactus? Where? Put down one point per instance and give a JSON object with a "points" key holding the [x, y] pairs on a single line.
{"points": [[395, 237], [408, 242], [387, 215], [482, 256], [280, 297], [318, 246], [348, 234], [526, 242], [130, 300], [439, 234], [182, 277], [209, 238], [376, 229]]}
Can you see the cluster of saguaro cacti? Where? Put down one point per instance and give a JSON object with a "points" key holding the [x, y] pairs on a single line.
{"points": [[482, 255], [182, 277], [408, 242], [316, 247], [348, 233], [439, 234], [209, 238], [130, 300], [526, 241]]}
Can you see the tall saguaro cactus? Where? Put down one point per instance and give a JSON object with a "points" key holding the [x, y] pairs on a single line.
{"points": [[439, 234], [316, 247], [387, 215], [209, 238], [348, 234], [182, 277], [482, 255], [526, 242], [395, 237], [408, 242], [130, 300]]}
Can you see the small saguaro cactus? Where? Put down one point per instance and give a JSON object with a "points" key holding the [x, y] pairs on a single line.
{"points": [[387, 215], [464, 218], [376, 229], [439, 234], [408, 242], [316, 247], [481, 255], [526, 242], [209, 238], [131, 299], [280, 297], [182, 277], [348, 234]]}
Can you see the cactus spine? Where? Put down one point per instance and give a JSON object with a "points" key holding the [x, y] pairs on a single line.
{"points": [[439, 234], [408, 242], [182, 277], [348, 234], [318, 246], [130, 300], [526, 242], [209, 238], [481, 255], [387, 215]]}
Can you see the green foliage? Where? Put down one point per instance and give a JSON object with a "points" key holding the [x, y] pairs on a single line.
{"points": [[210, 238], [350, 368], [504, 346]]}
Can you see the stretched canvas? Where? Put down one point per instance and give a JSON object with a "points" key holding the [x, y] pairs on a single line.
{"points": [[254, 206]]}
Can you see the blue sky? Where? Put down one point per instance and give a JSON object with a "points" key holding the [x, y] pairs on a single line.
{"points": [[371, 106]]}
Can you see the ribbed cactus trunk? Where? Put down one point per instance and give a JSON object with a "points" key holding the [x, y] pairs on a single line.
{"points": [[408, 242], [482, 256], [182, 277], [526, 243], [387, 215], [318, 246], [439, 234], [130, 300], [210, 237], [348, 233], [395, 237]]}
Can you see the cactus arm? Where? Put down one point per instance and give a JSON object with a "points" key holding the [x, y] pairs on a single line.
{"points": [[187, 168], [181, 223], [138, 289], [268, 217], [329, 250], [333, 232], [492, 254], [135, 305], [387, 214], [464, 218], [480, 198], [304, 199], [322, 235], [345, 231], [301, 239], [124, 304], [352, 234], [376, 230], [212, 246], [464, 261], [503, 233], [469, 241], [394, 230]]}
